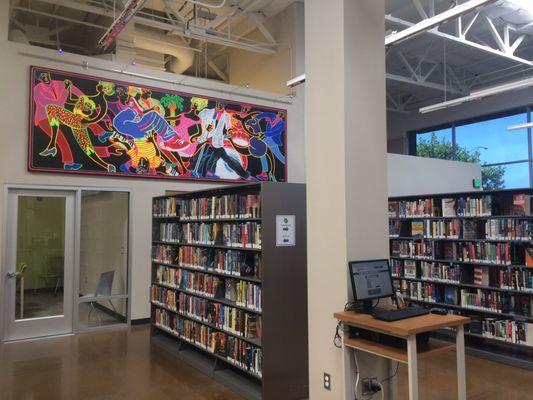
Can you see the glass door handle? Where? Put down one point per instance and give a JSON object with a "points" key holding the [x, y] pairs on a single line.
{"points": [[13, 274]]}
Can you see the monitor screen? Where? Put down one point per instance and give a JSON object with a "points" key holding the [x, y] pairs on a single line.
{"points": [[370, 279]]}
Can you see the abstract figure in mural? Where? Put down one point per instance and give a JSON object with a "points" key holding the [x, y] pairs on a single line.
{"points": [[100, 126], [267, 128], [86, 110], [216, 122], [52, 92]]}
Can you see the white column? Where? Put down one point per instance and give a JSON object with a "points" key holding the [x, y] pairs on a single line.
{"points": [[346, 168]]}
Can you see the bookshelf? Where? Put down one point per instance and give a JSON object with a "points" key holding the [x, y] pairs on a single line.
{"points": [[224, 296], [472, 254]]}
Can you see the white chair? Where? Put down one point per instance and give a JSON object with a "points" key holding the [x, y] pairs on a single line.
{"points": [[103, 289]]}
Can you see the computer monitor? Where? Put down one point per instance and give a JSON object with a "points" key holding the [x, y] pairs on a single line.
{"points": [[371, 280]]}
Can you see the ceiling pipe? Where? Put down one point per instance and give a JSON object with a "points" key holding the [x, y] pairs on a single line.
{"points": [[199, 3]]}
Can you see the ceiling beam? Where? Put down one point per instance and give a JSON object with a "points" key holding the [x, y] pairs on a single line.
{"points": [[60, 17], [462, 41], [196, 32], [429, 23], [424, 84]]}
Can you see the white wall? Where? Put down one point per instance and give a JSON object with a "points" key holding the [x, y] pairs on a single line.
{"points": [[408, 175], [15, 61]]}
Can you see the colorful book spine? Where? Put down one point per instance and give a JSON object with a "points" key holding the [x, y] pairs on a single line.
{"points": [[165, 207]]}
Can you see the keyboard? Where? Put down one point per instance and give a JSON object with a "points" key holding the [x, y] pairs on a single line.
{"points": [[396, 315]]}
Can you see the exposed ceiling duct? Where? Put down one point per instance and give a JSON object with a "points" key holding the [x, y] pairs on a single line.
{"points": [[159, 43]]}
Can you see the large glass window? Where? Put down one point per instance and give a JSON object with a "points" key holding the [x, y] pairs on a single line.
{"points": [[103, 284], [500, 144]]}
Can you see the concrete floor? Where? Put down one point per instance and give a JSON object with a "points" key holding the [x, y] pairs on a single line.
{"points": [[123, 365]]}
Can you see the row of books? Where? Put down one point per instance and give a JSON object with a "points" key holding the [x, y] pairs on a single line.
{"points": [[519, 279], [232, 349], [509, 229], [447, 207], [495, 229], [482, 252], [429, 292], [440, 272], [452, 229], [485, 300], [231, 262], [165, 207], [239, 234], [519, 204], [413, 249], [244, 294], [227, 318], [227, 206], [473, 299], [517, 332]]}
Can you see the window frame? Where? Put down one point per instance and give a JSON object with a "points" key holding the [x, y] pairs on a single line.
{"points": [[413, 135]]}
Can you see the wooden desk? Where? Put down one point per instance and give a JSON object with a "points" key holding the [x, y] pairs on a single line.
{"points": [[408, 329]]}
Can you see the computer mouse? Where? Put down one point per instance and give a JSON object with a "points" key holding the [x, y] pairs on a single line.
{"points": [[438, 311]]}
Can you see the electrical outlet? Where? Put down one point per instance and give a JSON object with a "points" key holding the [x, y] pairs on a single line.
{"points": [[327, 381], [370, 386]]}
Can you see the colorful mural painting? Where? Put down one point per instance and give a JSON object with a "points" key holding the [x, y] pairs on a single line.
{"points": [[82, 124]]}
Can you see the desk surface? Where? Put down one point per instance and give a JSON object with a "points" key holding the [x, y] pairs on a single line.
{"points": [[404, 327]]}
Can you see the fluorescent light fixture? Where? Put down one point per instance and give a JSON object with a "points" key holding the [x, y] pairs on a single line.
{"points": [[523, 4], [296, 81], [479, 94], [519, 127], [429, 23]]}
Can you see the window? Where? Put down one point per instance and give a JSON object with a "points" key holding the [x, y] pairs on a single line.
{"points": [[501, 144]]}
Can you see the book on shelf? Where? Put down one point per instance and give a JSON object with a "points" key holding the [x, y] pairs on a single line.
{"points": [[394, 209], [417, 228], [517, 332], [470, 230], [442, 229], [474, 207], [511, 229], [409, 270], [528, 253], [481, 276], [522, 204], [241, 234], [451, 295], [165, 207], [448, 207]]}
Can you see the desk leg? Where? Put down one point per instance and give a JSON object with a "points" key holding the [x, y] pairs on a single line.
{"points": [[412, 365], [461, 370]]}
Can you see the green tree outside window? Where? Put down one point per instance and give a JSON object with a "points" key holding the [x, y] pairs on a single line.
{"points": [[493, 177]]}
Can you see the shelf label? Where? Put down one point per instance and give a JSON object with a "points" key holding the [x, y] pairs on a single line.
{"points": [[285, 230]]}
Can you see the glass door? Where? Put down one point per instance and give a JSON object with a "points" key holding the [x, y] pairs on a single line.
{"points": [[39, 263]]}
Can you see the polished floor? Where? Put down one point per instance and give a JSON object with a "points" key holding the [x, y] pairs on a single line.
{"points": [[123, 365], [118, 365], [485, 380]]}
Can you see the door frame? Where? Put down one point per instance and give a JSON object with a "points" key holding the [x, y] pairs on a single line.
{"points": [[77, 190]]}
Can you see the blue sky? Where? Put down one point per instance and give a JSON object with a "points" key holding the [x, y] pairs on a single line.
{"points": [[501, 145]]}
